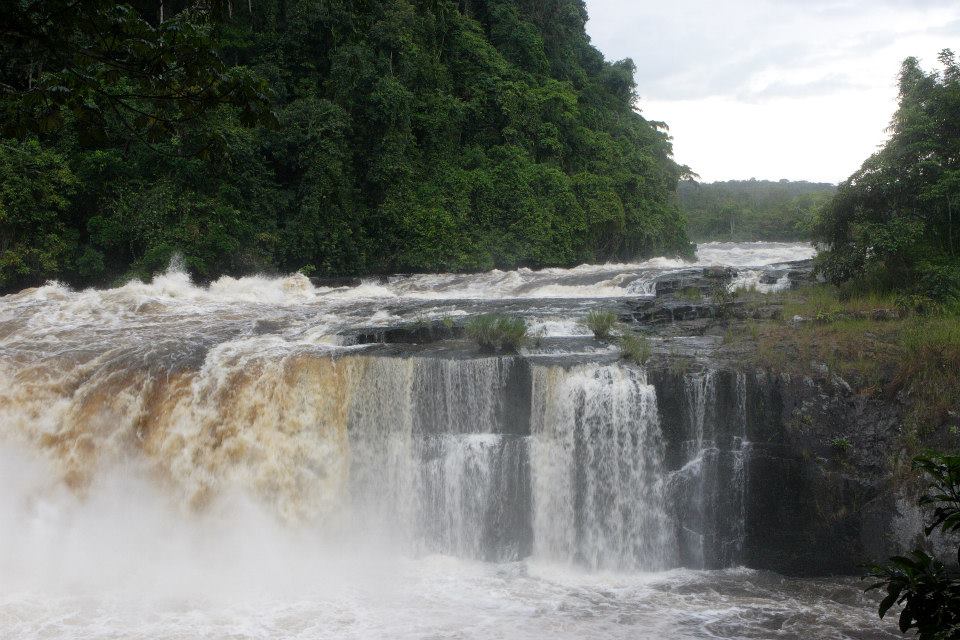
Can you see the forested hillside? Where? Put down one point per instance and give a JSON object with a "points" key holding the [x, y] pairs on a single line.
{"points": [[752, 209], [338, 138], [895, 223]]}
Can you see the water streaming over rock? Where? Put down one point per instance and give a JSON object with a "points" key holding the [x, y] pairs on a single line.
{"points": [[695, 482], [741, 465], [597, 467], [168, 451]]}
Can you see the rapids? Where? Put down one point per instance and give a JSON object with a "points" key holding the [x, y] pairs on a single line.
{"points": [[224, 461]]}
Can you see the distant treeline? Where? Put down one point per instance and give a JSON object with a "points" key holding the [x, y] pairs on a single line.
{"points": [[752, 209]]}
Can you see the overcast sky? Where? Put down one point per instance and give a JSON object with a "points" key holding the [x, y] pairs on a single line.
{"points": [[798, 89]]}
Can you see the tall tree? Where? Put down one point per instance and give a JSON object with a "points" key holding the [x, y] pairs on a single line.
{"points": [[894, 223]]}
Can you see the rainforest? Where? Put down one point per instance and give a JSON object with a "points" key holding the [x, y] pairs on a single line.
{"points": [[336, 138]]}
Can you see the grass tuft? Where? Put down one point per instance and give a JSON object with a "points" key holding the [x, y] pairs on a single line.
{"points": [[842, 444], [495, 332], [601, 322], [635, 348]]}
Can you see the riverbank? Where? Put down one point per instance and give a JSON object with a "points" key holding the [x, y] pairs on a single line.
{"points": [[881, 348]]}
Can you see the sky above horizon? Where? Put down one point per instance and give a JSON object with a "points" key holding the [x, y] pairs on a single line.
{"points": [[796, 89]]}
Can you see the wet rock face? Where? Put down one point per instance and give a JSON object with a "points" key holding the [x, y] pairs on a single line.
{"points": [[416, 333], [820, 499], [793, 473], [701, 280], [773, 472], [667, 312]]}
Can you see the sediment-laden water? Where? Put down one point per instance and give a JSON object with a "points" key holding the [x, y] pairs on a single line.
{"points": [[225, 462]]}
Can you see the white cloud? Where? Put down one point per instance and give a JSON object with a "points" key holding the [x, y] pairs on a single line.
{"points": [[800, 89]]}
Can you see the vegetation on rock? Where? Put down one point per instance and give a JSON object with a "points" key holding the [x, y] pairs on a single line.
{"points": [[601, 322], [635, 348], [928, 591], [494, 332]]}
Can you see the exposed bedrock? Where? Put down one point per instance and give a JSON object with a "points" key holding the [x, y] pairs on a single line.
{"points": [[818, 494]]}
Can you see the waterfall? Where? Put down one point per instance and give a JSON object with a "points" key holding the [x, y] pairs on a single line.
{"points": [[484, 458], [741, 458], [696, 480], [596, 465], [709, 489], [429, 462]]}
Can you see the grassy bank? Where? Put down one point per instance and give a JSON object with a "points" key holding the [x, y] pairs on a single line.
{"points": [[877, 344]]}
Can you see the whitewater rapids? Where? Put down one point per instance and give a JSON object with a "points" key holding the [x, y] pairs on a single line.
{"points": [[220, 462]]}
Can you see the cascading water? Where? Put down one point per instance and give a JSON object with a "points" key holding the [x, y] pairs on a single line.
{"points": [[709, 489], [433, 460], [183, 461], [695, 482], [741, 461], [596, 461]]}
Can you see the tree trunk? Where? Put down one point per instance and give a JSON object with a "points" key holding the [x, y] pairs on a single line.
{"points": [[950, 224]]}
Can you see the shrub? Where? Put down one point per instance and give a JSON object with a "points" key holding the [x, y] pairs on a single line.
{"points": [[721, 296], [601, 322], [917, 304], [938, 281], [841, 444], [635, 348], [494, 332], [928, 591]]}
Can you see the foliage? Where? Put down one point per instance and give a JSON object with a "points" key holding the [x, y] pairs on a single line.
{"points": [[721, 294], [35, 187], [693, 294], [869, 341], [343, 137], [98, 60], [635, 348], [752, 209], [601, 323], [841, 444], [494, 332], [895, 223], [928, 591]]}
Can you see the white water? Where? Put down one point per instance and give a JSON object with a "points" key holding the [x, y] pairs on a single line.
{"points": [[124, 564], [597, 428], [213, 462]]}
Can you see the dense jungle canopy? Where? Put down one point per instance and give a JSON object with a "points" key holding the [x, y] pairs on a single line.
{"points": [[333, 137]]}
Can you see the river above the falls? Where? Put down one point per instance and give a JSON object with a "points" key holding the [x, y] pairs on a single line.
{"points": [[232, 461]]}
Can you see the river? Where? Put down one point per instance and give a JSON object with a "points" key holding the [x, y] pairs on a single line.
{"points": [[227, 461]]}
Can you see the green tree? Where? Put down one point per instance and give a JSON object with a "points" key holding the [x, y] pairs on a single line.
{"points": [[752, 209], [35, 189], [893, 224]]}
